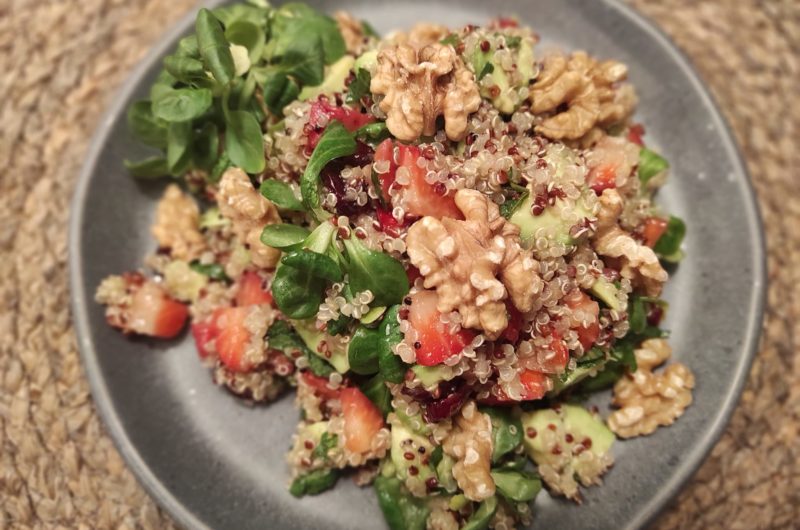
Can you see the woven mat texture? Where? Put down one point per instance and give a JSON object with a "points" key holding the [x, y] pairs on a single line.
{"points": [[61, 62]]}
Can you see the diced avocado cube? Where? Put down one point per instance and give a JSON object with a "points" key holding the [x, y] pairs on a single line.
{"points": [[334, 79]]}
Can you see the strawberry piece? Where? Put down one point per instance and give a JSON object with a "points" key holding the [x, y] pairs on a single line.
{"points": [[233, 338], [534, 384], [322, 112], [362, 420], [577, 300], [152, 312], [635, 133], [320, 386], [251, 290], [654, 228], [602, 178], [434, 344], [203, 333], [423, 199]]}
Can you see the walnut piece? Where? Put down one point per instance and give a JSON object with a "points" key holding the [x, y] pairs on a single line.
{"points": [[177, 225], [639, 263], [463, 259], [590, 90], [420, 35], [470, 443], [647, 400], [352, 31], [249, 212], [421, 85]]}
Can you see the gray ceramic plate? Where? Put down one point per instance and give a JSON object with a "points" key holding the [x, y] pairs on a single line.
{"points": [[214, 463]]}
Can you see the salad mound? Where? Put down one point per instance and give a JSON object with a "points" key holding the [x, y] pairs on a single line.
{"points": [[441, 239]]}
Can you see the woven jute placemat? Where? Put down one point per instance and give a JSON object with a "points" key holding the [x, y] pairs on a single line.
{"points": [[60, 63]]}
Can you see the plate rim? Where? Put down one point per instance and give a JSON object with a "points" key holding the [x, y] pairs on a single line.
{"points": [[185, 517]]}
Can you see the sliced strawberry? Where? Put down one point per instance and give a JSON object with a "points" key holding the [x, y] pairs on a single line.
{"points": [[203, 333], [579, 301], [322, 112], [654, 228], [535, 384], [152, 312], [515, 321], [602, 178], [233, 338], [421, 198], [434, 343], [320, 386], [635, 133], [362, 420], [251, 290]]}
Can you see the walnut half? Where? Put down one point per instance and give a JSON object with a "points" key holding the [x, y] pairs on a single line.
{"points": [[419, 85], [249, 212], [470, 443], [647, 400], [591, 90], [463, 259]]}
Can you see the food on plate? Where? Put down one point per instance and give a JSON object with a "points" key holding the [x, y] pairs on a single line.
{"points": [[441, 240]]}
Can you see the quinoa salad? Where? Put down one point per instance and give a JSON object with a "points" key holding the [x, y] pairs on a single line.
{"points": [[442, 240]]}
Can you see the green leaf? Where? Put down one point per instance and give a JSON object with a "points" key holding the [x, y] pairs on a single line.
{"points": [[401, 510], [392, 368], [335, 142], [377, 272], [215, 271], [368, 30], [230, 14], [314, 482], [305, 60], [510, 206], [247, 34], [282, 337], [327, 442], [517, 486], [506, 431], [373, 133], [213, 47], [187, 47], [281, 194], [222, 164], [376, 390], [145, 126], [163, 85], [453, 40], [487, 69], [297, 293], [650, 165], [513, 41], [278, 89], [179, 153], [359, 87], [314, 264], [153, 167], [205, 147], [184, 68], [244, 142], [283, 235], [340, 326], [362, 352], [295, 22], [668, 246], [483, 515], [181, 104]]}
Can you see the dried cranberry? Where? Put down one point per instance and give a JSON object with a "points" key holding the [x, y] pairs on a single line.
{"points": [[454, 397]]}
